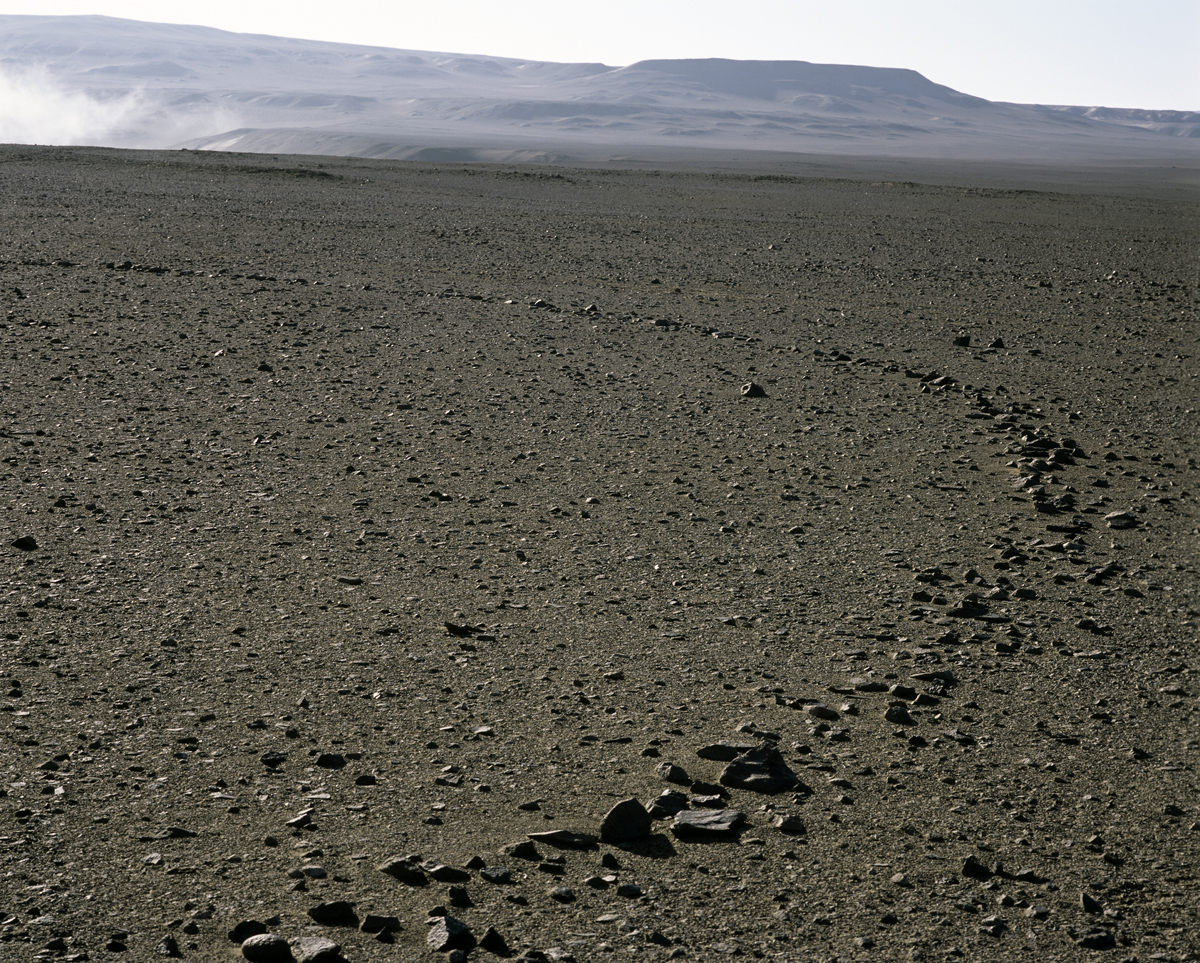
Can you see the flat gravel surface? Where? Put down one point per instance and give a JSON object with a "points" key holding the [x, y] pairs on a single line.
{"points": [[363, 520]]}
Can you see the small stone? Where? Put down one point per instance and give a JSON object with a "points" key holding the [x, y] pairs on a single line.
{"points": [[724, 751], [273, 758], [443, 873], [246, 929], [672, 773], [761, 769], [564, 838], [498, 875], [522, 850], [167, 946], [900, 716], [375, 924], [1092, 937], [331, 760], [314, 949], [1089, 903], [334, 913], [561, 894], [26, 543], [714, 823], [266, 948], [819, 710], [667, 805], [448, 933], [459, 897], [752, 389], [403, 869], [494, 943], [900, 880], [626, 820], [791, 825]]}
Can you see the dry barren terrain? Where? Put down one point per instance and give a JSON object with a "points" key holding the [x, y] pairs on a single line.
{"points": [[363, 521]]}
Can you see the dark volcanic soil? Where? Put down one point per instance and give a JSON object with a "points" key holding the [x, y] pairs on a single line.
{"points": [[354, 511]]}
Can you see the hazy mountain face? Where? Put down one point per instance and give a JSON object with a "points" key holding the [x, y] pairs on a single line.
{"points": [[98, 80]]}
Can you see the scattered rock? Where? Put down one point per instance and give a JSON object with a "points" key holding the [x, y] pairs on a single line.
{"points": [[724, 751], [708, 823], [26, 543], [447, 933], [314, 949], [672, 773], [266, 948], [1120, 520], [405, 870], [627, 820], [752, 389], [564, 839], [334, 913], [761, 769]]}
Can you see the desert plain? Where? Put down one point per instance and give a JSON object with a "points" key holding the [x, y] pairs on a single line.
{"points": [[364, 522]]}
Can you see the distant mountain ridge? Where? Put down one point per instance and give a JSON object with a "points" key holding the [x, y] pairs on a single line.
{"points": [[124, 83]]}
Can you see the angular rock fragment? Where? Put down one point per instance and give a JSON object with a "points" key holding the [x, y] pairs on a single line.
{"points": [[447, 933], [667, 805], [405, 870], [266, 948], [761, 769], [1120, 520], [314, 949], [443, 873], [246, 929], [720, 822], [789, 824], [334, 913], [565, 839], [374, 924], [724, 751], [627, 820], [672, 773], [522, 850]]}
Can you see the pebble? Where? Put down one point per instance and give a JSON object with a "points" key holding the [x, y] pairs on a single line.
{"points": [[522, 850], [672, 773], [752, 389], [627, 820], [724, 751], [403, 869], [667, 805], [760, 769], [375, 924], [565, 838], [443, 873], [26, 543], [899, 716], [266, 948], [448, 933], [1120, 520], [246, 929], [334, 913], [314, 949], [791, 825], [719, 822], [561, 894]]}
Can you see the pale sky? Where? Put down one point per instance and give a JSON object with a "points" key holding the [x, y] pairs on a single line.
{"points": [[1114, 53]]}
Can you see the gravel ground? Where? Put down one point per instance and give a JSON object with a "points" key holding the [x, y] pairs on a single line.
{"points": [[362, 519]]}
